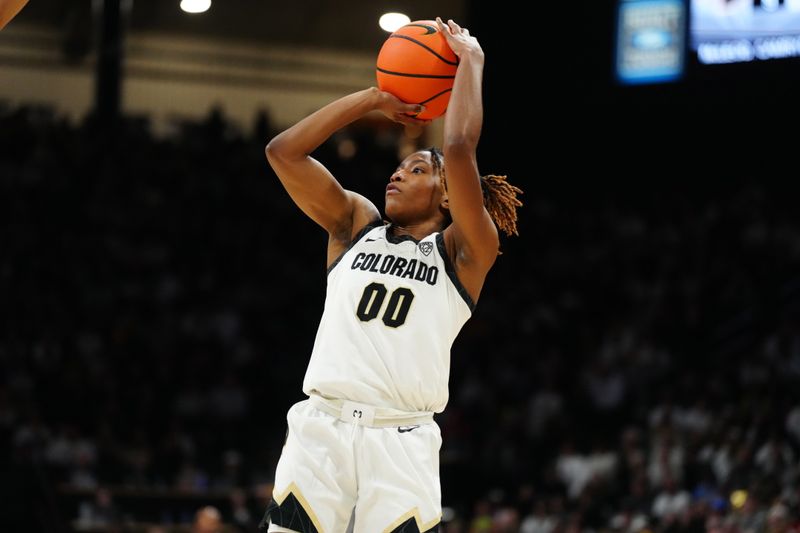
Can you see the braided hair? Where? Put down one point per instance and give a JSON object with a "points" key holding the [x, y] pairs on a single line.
{"points": [[499, 196]]}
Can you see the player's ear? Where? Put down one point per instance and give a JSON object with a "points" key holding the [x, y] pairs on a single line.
{"points": [[444, 203]]}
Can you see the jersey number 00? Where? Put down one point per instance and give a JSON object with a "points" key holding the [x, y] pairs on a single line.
{"points": [[396, 310]]}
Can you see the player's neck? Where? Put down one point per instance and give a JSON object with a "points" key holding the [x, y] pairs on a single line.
{"points": [[416, 230]]}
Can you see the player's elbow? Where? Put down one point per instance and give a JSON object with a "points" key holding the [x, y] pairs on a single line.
{"points": [[279, 149], [273, 149], [276, 157]]}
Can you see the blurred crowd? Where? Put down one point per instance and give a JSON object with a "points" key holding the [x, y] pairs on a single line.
{"points": [[633, 363]]}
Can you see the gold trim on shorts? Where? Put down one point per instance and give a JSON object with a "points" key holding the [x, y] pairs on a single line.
{"points": [[294, 489], [413, 513]]}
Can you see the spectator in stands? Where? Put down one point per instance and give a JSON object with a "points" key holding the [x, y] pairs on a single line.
{"points": [[207, 520]]}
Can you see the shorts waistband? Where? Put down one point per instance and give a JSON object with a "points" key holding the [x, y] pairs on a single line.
{"points": [[368, 415]]}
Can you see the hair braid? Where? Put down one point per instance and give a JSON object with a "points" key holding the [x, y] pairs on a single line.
{"points": [[499, 196]]}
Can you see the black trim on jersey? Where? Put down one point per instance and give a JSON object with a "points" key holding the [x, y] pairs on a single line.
{"points": [[451, 272], [290, 514], [397, 239], [410, 526], [366, 229]]}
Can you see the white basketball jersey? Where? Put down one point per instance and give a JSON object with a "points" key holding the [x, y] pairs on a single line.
{"points": [[392, 311]]}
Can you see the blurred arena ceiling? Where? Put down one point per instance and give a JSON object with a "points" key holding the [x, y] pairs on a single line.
{"points": [[345, 25]]}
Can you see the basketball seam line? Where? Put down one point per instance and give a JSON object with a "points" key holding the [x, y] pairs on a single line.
{"points": [[436, 96], [414, 75], [426, 47]]}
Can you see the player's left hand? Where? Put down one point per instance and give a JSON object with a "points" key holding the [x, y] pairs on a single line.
{"points": [[395, 109], [459, 39]]}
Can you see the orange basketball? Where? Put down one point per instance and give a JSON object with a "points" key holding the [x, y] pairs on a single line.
{"points": [[417, 65]]}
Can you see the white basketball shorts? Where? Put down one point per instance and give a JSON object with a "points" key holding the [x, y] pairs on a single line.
{"points": [[349, 467]]}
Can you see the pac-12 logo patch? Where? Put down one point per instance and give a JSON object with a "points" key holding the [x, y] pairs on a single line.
{"points": [[426, 247]]}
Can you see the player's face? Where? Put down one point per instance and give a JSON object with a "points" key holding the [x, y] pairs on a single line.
{"points": [[414, 192]]}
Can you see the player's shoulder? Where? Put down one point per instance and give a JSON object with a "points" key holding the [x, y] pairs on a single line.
{"points": [[364, 211], [338, 248], [375, 224]]}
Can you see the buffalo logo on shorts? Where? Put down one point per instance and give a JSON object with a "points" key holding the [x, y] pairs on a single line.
{"points": [[426, 247]]}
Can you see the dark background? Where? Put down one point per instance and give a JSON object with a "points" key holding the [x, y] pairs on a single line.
{"points": [[160, 297]]}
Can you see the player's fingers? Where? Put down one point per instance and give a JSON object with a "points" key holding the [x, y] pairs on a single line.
{"points": [[402, 118], [409, 120], [444, 28], [454, 26]]}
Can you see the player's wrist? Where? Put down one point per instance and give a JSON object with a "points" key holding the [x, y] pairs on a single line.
{"points": [[472, 55], [375, 98]]}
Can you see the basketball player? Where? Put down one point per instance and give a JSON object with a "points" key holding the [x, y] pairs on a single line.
{"points": [[361, 453]]}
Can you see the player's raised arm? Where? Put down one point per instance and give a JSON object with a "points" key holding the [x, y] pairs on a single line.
{"points": [[474, 232], [312, 187]]}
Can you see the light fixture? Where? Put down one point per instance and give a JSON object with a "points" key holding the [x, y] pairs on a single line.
{"points": [[393, 21], [195, 6]]}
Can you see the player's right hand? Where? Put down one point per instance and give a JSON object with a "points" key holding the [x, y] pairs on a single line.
{"points": [[458, 39]]}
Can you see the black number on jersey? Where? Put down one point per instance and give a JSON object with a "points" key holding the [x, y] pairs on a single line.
{"points": [[371, 301], [396, 310]]}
